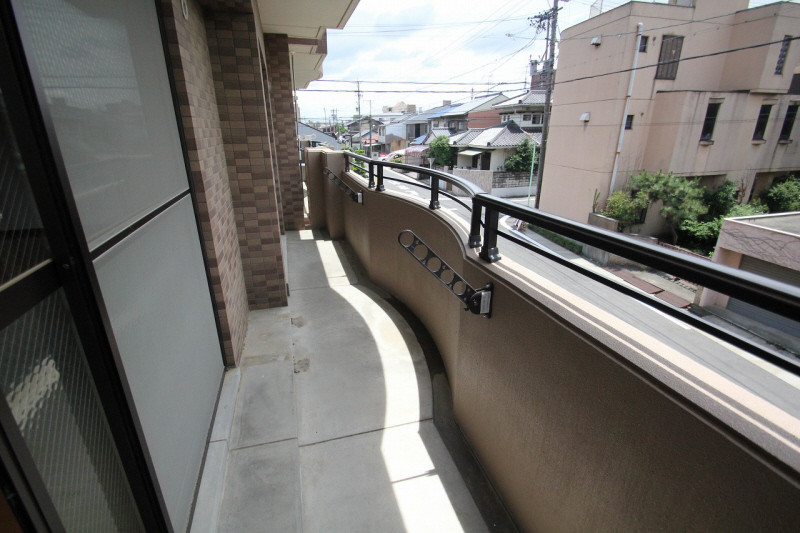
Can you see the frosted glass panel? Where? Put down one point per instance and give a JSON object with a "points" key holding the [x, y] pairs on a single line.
{"points": [[156, 292], [103, 69], [49, 389], [23, 244]]}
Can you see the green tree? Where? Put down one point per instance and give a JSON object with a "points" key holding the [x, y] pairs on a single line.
{"points": [[520, 160], [720, 201], [701, 235], [682, 198], [626, 206], [341, 129], [440, 150], [784, 196]]}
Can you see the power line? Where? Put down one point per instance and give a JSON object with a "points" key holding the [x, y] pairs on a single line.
{"points": [[431, 25], [704, 30], [362, 91], [751, 47], [423, 82]]}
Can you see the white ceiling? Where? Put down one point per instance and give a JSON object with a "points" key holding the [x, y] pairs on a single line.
{"points": [[306, 19]]}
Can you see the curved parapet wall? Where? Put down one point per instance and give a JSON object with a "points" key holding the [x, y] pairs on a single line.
{"points": [[582, 422]]}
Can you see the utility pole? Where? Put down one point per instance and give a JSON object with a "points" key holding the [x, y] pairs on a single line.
{"points": [[548, 96], [370, 129]]}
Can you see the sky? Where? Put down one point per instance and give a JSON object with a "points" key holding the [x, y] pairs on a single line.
{"points": [[486, 45]]}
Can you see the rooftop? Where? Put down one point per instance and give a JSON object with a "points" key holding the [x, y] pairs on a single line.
{"points": [[535, 97], [785, 222], [471, 105]]}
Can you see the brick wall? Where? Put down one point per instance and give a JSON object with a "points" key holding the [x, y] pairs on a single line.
{"points": [[279, 72], [483, 119], [513, 179], [238, 81], [188, 49]]}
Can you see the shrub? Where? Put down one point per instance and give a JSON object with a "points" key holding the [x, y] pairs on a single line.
{"points": [[440, 151], [625, 207], [701, 236], [784, 196], [682, 198], [720, 201], [520, 160]]}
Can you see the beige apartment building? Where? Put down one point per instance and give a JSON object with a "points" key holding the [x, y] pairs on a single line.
{"points": [[708, 98]]}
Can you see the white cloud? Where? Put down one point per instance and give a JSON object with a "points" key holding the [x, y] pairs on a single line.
{"points": [[475, 41]]}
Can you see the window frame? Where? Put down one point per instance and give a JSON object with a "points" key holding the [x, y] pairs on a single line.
{"points": [[643, 44], [710, 121], [762, 121], [788, 121], [529, 119], [667, 69], [629, 122], [784, 51]]}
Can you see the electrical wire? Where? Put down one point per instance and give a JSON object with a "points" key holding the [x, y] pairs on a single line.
{"points": [[423, 82], [666, 26], [690, 58], [409, 91]]}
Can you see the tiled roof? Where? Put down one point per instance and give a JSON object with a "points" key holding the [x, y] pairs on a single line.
{"points": [[463, 139], [423, 117], [435, 132], [472, 104], [535, 97], [502, 136], [446, 110]]}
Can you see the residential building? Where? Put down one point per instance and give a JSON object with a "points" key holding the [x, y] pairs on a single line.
{"points": [[768, 245], [316, 137], [489, 148], [168, 307], [458, 118], [710, 98], [436, 117], [400, 107], [526, 110]]}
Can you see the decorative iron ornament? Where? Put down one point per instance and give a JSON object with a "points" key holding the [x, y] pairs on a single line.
{"points": [[357, 197], [477, 301]]}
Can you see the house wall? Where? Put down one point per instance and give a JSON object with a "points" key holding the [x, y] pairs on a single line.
{"points": [[535, 118], [239, 80], [580, 156], [283, 129], [194, 82], [674, 139], [483, 119]]}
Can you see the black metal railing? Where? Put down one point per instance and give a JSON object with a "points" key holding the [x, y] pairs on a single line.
{"points": [[356, 196], [486, 209]]}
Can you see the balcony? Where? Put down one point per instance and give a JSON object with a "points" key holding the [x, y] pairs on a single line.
{"points": [[588, 404], [333, 406]]}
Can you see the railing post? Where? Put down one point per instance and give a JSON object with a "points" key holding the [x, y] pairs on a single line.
{"points": [[346, 163], [434, 192], [475, 225], [371, 182], [489, 252], [380, 186]]}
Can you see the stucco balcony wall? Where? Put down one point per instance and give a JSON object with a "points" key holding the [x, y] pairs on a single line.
{"points": [[582, 422]]}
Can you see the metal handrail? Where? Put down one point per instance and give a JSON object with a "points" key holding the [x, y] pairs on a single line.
{"points": [[467, 186], [776, 296], [766, 293]]}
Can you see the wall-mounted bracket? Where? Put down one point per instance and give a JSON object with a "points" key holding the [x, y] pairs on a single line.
{"points": [[477, 301], [357, 197]]}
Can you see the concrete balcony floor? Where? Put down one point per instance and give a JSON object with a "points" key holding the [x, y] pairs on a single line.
{"points": [[327, 424]]}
